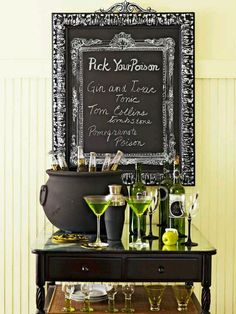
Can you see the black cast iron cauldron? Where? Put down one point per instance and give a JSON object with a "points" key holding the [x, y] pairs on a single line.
{"points": [[62, 198]]}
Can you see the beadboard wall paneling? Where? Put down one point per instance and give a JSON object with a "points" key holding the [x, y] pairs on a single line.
{"points": [[215, 158], [25, 140], [25, 134]]}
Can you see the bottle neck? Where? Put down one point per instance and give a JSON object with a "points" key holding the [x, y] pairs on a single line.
{"points": [[138, 171], [176, 174], [80, 152], [166, 170]]}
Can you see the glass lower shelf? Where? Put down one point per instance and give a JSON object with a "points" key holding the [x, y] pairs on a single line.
{"points": [[55, 302]]}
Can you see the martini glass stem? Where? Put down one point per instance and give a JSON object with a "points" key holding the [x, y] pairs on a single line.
{"points": [[139, 240], [98, 240]]}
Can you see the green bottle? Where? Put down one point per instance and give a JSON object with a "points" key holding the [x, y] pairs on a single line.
{"points": [[176, 201], [165, 186], [138, 187]]}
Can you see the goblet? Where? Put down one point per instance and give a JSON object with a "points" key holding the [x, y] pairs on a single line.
{"points": [[98, 204], [68, 288], [139, 204], [192, 205], [128, 290], [111, 290], [153, 191], [86, 289]]}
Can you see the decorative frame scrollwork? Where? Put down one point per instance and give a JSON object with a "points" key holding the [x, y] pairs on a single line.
{"points": [[129, 14]]}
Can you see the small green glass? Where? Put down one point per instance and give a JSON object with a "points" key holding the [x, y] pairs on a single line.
{"points": [[182, 294], [155, 293], [128, 290], [86, 289], [68, 289], [111, 290]]}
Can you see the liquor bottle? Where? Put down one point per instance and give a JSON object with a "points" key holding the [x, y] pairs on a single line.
{"points": [[92, 162], [54, 162], [137, 188], [81, 165], [116, 160], [176, 201], [165, 186], [62, 161], [106, 163]]}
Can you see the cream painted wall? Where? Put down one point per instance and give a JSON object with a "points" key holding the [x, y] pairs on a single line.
{"points": [[26, 25], [25, 137]]}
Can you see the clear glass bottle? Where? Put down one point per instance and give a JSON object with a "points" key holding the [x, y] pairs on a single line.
{"points": [[165, 186], [54, 162], [116, 160], [62, 161], [137, 188], [81, 165], [92, 162], [176, 201], [106, 163]]}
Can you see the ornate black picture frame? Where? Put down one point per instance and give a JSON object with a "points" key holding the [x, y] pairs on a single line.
{"points": [[130, 45]]}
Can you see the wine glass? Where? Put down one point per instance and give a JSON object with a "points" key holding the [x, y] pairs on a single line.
{"points": [[139, 204], [111, 290], [128, 290], [98, 204], [192, 206], [153, 191], [68, 288], [86, 289]]}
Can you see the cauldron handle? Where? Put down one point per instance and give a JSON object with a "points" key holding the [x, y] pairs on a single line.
{"points": [[43, 194]]}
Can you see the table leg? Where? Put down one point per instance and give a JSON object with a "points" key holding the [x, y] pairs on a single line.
{"points": [[206, 299], [40, 300], [206, 284], [40, 282]]}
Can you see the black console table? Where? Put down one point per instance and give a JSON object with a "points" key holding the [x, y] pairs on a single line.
{"points": [[118, 262]]}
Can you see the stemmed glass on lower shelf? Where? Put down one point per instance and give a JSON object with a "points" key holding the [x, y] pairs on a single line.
{"points": [[139, 204], [153, 191], [68, 288], [128, 290], [98, 204], [111, 290], [86, 289], [192, 206]]}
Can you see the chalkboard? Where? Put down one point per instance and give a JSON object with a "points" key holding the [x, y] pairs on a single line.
{"points": [[122, 101], [124, 81]]}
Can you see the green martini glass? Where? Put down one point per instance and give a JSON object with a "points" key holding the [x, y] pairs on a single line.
{"points": [[139, 204], [98, 204]]}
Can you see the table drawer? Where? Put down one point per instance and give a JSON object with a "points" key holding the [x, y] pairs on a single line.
{"points": [[164, 269], [73, 268]]}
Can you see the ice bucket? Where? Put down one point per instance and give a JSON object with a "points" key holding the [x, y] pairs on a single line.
{"points": [[62, 198]]}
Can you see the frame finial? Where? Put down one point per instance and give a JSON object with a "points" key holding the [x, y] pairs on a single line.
{"points": [[126, 7]]}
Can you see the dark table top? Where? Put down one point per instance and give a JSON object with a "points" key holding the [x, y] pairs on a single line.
{"points": [[45, 244]]}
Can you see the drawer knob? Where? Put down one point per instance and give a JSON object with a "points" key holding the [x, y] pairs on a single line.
{"points": [[161, 269], [85, 268]]}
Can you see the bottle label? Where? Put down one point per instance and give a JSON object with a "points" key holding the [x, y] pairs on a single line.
{"points": [[176, 206]]}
